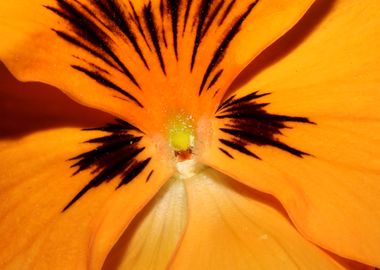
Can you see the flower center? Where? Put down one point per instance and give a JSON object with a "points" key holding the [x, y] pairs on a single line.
{"points": [[181, 136]]}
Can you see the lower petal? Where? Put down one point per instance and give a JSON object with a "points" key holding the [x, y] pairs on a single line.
{"points": [[233, 227], [152, 238]]}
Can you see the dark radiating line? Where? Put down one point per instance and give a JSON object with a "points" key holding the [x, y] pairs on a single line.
{"points": [[98, 68], [262, 140], [203, 11], [225, 103], [265, 117], [149, 19], [107, 173], [115, 137], [186, 17], [138, 23], [162, 9], [216, 92], [224, 45], [226, 12], [80, 194], [226, 153], [248, 98], [149, 176], [127, 126], [108, 151], [89, 31], [211, 19], [91, 13], [107, 83], [215, 79], [119, 127], [114, 154], [247, 122], [238, 147], [164, 37], [174, 8], [162, 15], [79, 44], [115, 14], [133, 171]]}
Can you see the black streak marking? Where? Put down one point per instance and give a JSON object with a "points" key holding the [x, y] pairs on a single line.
{"points": [[78, 43], [98, 68], [174, 8], [149, 175], [107, 83], [246, 122], [203, 11], [117, 155], [86, 29], [133, 171], [226, 12], [262, 140], [215, 93], [138, 23], [239, 147], [149, 19], [254, 95], [188, 6], [212, 17], [90, 12], [115, 14], [215, 79], [224, 45], [163, 23], [226, 153], [119, 126], [225, 103]]}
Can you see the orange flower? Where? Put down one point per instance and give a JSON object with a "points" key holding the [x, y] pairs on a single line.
{"points": [[279, 170]]}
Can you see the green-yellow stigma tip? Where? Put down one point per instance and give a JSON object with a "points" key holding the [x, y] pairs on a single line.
{"points": [[180, 140], [181, 133]]}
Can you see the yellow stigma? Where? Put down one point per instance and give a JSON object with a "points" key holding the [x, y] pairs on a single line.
{"points": [[181, 135]]}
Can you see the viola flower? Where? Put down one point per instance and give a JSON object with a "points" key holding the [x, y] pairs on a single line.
{"points": [[278, 170]]}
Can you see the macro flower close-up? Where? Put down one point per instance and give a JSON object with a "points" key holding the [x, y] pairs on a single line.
{"points": [[190, 134]]}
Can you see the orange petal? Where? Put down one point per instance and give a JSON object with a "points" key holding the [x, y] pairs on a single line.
{"points": [[28, 107], [152, 238], [233, 227], [332, 78], [131, 65], [36, 185]]}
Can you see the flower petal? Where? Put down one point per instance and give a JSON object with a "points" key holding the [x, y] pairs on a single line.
{"points": [[36, 186], [332, 78], [28, 107], [152, 238], [233, 227], [130, 57]]}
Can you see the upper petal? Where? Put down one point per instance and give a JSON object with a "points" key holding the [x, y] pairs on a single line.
{"points": [[128, 58]]}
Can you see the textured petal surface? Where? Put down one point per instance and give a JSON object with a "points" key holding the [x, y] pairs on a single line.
{"points": [[152, 238], [36, 185], [331, 76], [129, 57], [233, 227]]}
